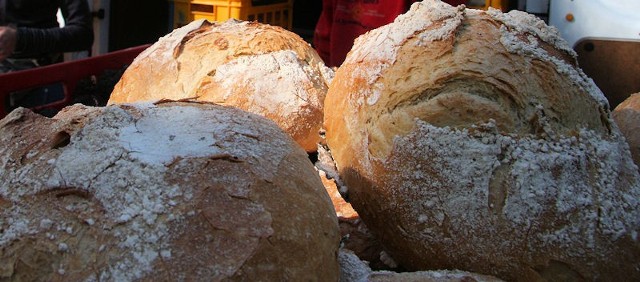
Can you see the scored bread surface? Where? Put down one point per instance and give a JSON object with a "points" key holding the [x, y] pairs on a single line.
{"points": [[174, 191], [260, 68], [471, 140]]}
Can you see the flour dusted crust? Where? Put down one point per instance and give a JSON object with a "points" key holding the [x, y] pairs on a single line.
{"points": [[354, 269], [627, 116], [431, 276], [471, 140], [263, 69], [174, 191]]}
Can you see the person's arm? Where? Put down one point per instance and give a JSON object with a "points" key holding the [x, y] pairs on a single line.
{"points": [[7, 41], [76, 35]]}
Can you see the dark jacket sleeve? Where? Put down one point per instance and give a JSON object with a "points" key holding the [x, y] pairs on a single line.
{"points": [[76, 35]]}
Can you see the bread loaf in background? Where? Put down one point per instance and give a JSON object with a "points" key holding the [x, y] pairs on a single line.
{"points": [[627, 116], [471, 140], [353, 269], [260, 68], [166, 192]]}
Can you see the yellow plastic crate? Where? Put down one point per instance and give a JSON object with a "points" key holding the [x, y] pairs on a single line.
{"points": [[279, 13], [485, 4]]}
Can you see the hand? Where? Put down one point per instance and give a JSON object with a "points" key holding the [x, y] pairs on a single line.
{"points": [[8, 38]]}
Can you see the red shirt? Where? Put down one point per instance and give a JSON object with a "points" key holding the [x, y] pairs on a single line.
{"points": [[341, 21]]}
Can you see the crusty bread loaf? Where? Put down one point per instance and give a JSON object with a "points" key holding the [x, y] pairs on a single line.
{"points": [[627, 116], [167, 192], [353, 269], [431, 276], [471, 140], [263, 69]]}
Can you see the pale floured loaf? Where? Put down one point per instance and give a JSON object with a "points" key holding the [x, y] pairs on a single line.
{"points": [[260, 68], [627, 116], [167, 192], [471, 140]]}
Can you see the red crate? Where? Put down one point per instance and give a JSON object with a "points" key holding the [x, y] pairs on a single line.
{"points": [[68, 74]]}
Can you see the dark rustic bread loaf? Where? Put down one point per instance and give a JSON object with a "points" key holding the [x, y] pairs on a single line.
{"points": [[173, 191]]}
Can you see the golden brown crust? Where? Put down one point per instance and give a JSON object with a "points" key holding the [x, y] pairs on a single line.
{"points": [[470, 140], [174, 191], [256, 67], [458, 81], [627, 116]]}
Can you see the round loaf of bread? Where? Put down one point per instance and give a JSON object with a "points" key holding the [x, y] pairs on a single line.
{"points": [[259, 68], [471, 140], [627, 116], [354, 269], [174, 191]]}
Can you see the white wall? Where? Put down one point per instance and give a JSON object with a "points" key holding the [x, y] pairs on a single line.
{"points": [[603, 19]]}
